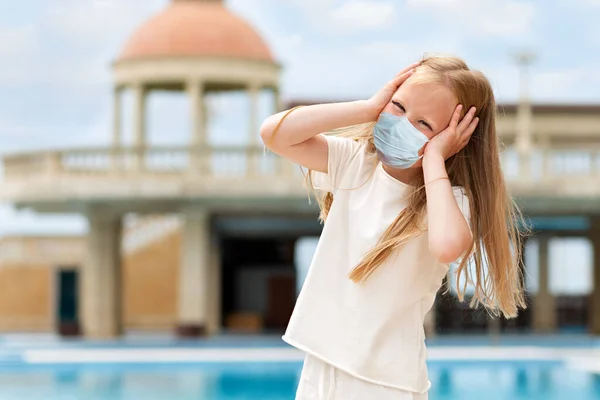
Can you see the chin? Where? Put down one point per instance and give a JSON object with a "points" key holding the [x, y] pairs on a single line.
{"points": [[418, 164]]}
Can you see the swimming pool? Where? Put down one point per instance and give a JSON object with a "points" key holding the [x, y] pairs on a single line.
{"points": [[277, 381], [264, 369]]}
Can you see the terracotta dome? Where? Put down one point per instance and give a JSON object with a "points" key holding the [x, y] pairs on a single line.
{"points": [[196, 28]]}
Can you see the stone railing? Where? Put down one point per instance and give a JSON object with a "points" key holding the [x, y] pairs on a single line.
{"points": [[566, 170], [556, 165], [222, 161]]}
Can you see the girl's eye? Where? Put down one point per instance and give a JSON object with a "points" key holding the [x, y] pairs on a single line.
{"points": [[425, 123], [399, 106]]}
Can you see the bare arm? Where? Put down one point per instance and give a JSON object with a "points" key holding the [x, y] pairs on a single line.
{"points": [[299, 137], [449, 234]]}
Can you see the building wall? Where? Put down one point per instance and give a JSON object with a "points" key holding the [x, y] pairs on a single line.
{"points": [[150, 281], [27, 276], [27, 269], [25, 298]]}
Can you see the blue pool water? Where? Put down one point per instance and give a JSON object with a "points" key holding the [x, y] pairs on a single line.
{"points": [[277, 381]]}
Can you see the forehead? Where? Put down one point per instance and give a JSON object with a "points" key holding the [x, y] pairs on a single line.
{"points": [[433, 101]]}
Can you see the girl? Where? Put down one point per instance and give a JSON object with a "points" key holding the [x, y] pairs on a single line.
{"points": [[412, 184]]}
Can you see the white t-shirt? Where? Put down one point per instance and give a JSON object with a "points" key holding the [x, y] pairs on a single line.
{"points": [[372, 330]]}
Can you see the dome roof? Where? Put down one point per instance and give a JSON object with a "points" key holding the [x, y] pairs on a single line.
{"points": [[196, 28]]}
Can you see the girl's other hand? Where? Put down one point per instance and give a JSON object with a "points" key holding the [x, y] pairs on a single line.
{"points": [[456, 136], [381, 99]]}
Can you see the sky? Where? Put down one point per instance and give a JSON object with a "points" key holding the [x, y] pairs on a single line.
{"points": [[55, 78], [56, 85]]}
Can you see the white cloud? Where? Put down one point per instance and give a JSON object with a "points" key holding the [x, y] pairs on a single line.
{"points": [[287, 43], [595, 36], [18, 47], [15, 40], [99, 22], [508, 18], [555, 82], [359, 15], [558, 84], [504, 80], [384, 48], [311, 5], [90, 34], [341, 17], [389, 50]]}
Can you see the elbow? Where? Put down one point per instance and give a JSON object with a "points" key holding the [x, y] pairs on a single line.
{"points": [[447, 250], [266, 133]]}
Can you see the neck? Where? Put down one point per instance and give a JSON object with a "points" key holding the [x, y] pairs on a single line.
{"points": [[405, 175]]}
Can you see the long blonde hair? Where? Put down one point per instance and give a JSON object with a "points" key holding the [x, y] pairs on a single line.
{"points": [[496, 222]]}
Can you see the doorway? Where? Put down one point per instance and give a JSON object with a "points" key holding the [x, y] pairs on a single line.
{"points": [[68, 302], [258, 283]]}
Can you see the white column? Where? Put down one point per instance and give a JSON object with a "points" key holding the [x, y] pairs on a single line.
{"points": [[545, 145], [117, 118], [194, 275], [214, 290], [53, 164], [117, 138], [544, 308], [253, 156], [254, 93], [101, 278], [195, 90], [139, 140], [524, 145], [277, 106], [524, 117], [595, 298]]}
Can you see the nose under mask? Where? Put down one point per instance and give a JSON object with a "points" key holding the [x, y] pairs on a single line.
{"points": [[397, 141]]}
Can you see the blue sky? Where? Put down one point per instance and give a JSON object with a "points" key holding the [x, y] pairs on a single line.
{"points": [[55, 81]]}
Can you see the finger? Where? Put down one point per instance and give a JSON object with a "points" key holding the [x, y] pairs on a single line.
{"points": [[470, 128], [405, 70], [400, 79], [466, 121], [455, 118]]}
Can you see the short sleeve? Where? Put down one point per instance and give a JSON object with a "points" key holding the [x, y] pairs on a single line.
{"points": [[341, 152], [463, 203]]}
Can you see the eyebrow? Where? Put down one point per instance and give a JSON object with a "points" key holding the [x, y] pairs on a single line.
{"points": [[427, 121]]}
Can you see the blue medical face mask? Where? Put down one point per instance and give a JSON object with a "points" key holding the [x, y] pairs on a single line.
{"points": [[397, 141]]}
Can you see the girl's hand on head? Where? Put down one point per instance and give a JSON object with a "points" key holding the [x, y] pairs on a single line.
{"points": [[455, 137], [381, 99]]}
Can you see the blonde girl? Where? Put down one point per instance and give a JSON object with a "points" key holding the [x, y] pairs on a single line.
{"points": [[410, 181]]}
